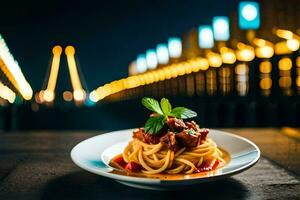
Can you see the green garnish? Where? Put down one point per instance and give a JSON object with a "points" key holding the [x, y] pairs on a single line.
{"points": [[191, 132], [163, 110]]}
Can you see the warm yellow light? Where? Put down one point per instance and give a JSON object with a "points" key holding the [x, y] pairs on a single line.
{"points": [[194, 65], [264, 52], [298, 81], [282, 48], [41, 96], [188, 66], [285, 64], [214, 59], [285, 34], [265, 67], [67, 96], [180, 69], [259, 42], [265, 83], [78, 91], [242, 69], [285, 81], [168, 73], [293, 44], [161, 75], [57, 50], [79, 95], [298, 61], [13, 71], [228, 55], [6, 93], [245, 52], [224, 73], [203, 63], [48, 95], [174, 71], [54, 68], [132, 69]]}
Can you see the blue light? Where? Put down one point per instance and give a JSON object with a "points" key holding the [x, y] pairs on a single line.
{"points": [[206, 38], [89, 102], [249, 15], [141, 63], [162, 54], [151, 59], [175, 47], [221, 28]]}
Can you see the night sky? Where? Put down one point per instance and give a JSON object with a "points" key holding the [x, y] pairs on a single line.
{"points": [[107, 35]]}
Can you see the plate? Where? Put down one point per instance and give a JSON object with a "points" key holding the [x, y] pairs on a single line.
{"points": [[95, 153]]}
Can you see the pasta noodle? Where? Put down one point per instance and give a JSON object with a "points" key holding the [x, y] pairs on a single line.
{"points": [[169, 145], [157, 158]]}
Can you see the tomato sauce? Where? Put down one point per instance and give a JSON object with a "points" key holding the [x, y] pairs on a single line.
{"points": [[133, 169]]}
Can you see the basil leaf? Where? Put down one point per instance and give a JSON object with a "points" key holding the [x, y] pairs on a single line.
{"points": [[165, 106], [152, 105], [154, 124], [183, 113]]}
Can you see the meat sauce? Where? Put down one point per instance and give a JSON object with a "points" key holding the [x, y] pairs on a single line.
{"points": [[175, 134]]}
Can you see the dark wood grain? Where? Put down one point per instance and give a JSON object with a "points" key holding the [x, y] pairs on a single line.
{"points": [[37, 165]]}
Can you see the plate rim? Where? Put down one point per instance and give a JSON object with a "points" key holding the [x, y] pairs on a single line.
{"points": [[145, 180]]}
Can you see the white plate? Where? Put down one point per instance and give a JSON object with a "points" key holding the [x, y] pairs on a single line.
{"points": [[94, 154]]}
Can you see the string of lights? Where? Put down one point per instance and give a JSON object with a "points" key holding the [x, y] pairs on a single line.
{"points": [[11, 69], [217, 53]]}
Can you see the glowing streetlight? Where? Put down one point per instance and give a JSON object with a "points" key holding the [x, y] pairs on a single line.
{"points": [[151, 59], [162, 54], [13, 71], [175, 47], [221, 28], [249, 15], [78, 92], [206, 38], [141, 63]]}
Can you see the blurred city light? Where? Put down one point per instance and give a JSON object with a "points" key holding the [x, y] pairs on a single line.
{"points": [[175, 47], [285, 64], [132, 69], [49, 94], [228, 55], [214, 59], [13, 71], [67, 96], [141, 63], [162, 54], [249, 15], [264, 49], [151, 59], [293, 44], [221, 28], [245, 52], [6, 93], [206, 38], [78, 92], [79, 95]]}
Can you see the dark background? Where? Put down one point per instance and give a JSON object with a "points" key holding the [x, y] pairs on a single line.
{"points": [[106, 34]]}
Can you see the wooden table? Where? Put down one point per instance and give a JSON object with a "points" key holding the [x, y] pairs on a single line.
{"points": [[37, 165]]}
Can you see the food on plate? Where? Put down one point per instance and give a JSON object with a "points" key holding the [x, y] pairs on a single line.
{"points": [[169, 143]]}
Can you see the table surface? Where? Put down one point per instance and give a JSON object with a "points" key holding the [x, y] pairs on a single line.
{"points": [[37, 165]]}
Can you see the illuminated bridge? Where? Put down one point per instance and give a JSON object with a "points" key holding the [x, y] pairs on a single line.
{"points": [[237, 70]]}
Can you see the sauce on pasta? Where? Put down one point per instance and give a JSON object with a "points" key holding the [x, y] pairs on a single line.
{"points": [[170, 146], [163, 176]]}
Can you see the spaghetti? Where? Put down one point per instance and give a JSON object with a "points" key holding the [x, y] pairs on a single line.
{"points": [[156, 158], [169, 145]]}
